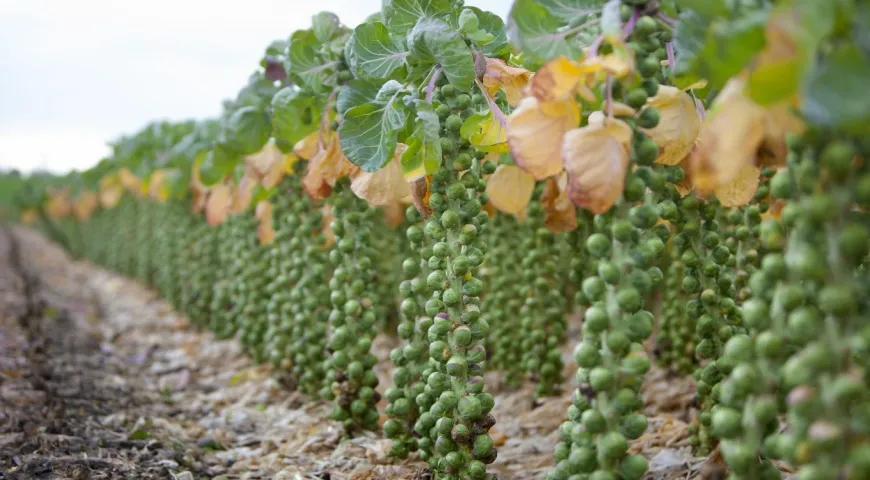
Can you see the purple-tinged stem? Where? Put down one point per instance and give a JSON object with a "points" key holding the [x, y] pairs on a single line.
{"points": [[671, 59], [493, 107], [666, 19], [608, 96], [430, 89], [593, 48], [699, 106], [629, 25]]}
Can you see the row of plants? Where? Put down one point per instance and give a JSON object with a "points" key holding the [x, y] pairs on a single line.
{"points": [[688, 175]]}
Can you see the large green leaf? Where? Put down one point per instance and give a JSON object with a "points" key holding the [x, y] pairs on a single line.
{"points": [[356, 92], [836, 94], [294, 116], [541, 33], [326, 26], [571, 12], [374, 52], [369, 132], [248, 129], [423, 155], [715, 51], [307, 66], [433, 41], [401, 15]]}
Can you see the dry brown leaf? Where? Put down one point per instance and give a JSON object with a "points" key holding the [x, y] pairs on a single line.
{"points": [[501, 75], [729, 138], [265, 232], [596, 159], [84, 205], [243, 194], [326, 226], [29, 216], [420, 196], [678, 126], [308, 146], [385, 186], [510, 189], [685, 186], [556, 81], [741, 189], [394, 214], [270, 164], [560, 213], [535, 136], [326, 167], [130, 181], [217, 207]]}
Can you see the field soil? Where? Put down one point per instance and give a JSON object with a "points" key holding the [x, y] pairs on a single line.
{"points": [[100, 378]]}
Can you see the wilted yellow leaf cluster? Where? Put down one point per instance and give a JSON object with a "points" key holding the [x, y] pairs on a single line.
{"points": [[84, 205]]}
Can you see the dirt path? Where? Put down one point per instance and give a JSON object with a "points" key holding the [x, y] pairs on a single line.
{"points": [[99, 378]]}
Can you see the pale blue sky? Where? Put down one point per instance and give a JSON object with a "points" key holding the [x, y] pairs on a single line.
{"points": [[75, 74]]}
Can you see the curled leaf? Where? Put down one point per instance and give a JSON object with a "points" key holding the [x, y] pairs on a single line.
{"points": [[385, 186], [739, 132], [265, 231], [535, 136], [510, 189], [420, 196], [243, 194], [308, 146], [269, 165], [29, 216], [217, 207], [394, 214], [560, 213], [500, 75], [596, 159], [678, 126], [741, 189], [326, 167], [84, 205]]}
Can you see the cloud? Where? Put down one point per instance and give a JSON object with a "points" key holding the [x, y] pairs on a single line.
{"points": [[75, 75]]}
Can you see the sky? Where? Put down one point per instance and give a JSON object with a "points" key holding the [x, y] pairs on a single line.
{"points": [[77, 74]]}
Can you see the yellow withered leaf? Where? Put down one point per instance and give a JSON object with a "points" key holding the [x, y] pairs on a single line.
{"points": [[243, 194], [130, 181], [741, 189], [394, 214], [678, 126], [729, 138], [596, 159], [486, 132], [420, 196], [510, 189], [535, 136], [685, 186], [158, 188], [58, 204], [265, 231], [500, 75], [308, 146], [217, 207], [110, 191], [557, 80], [560, 213], [29, 216], [83, 207], [385, 186], [270, 164], [326, 167]]}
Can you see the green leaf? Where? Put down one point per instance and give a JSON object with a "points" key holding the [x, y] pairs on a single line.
{"points": [[718, 51], [489, 23], [139, 434], [247, 130], [540, 33], [308, 67], [375, 54], [611, 20], [423, 155], [294, 116], [326, 26], [356, 92], [433, 41], [369, 132], [836, 94], [572, 12], [402, 15], [706, 8]]}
